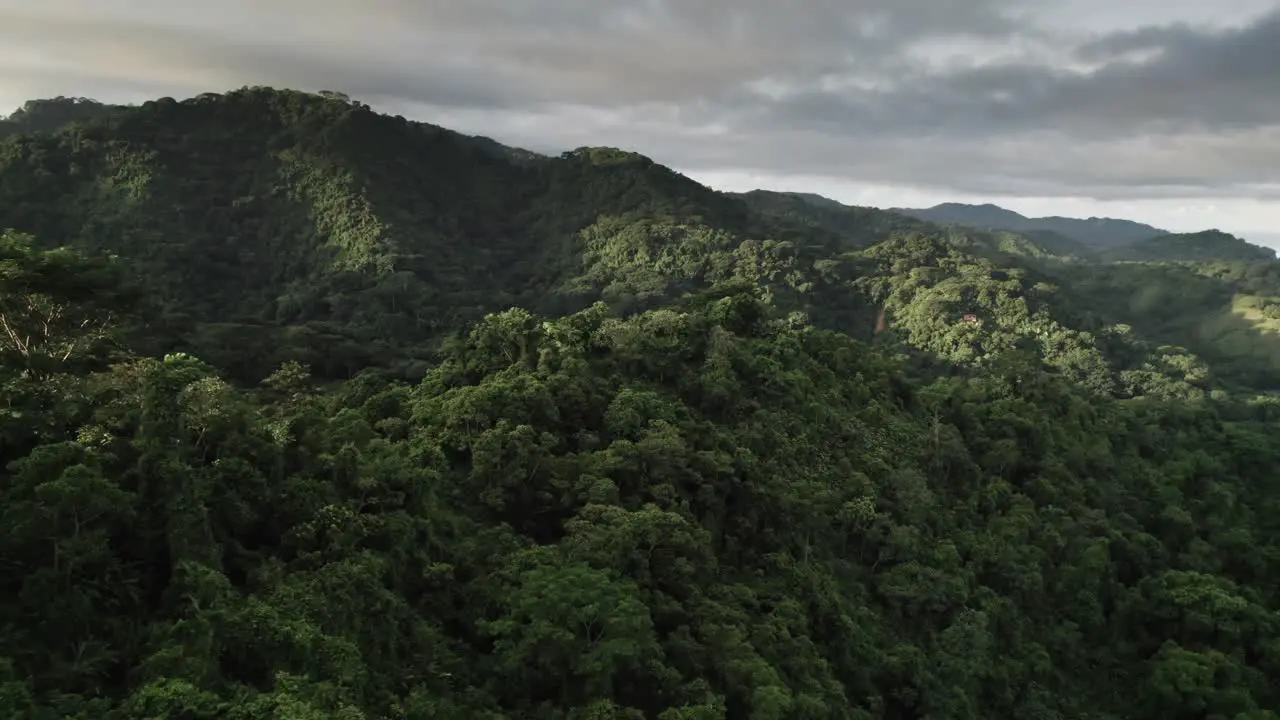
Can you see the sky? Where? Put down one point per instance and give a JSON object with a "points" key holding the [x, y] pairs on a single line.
{"points": [[1161, 111]]}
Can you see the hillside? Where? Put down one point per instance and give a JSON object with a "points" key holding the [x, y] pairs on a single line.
{"points": [[332, 235], [1055, 243], [328, 414], [52, 114], [860, 227], [1190, 247], [1094, 232], [981, 216], [315, 203]]}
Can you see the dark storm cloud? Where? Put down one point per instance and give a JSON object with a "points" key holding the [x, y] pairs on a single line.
{"points": [[1001, 96], [596, 52], [1183, 80]]}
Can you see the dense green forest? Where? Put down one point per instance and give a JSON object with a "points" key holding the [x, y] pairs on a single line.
{"points": [[311, 412]]}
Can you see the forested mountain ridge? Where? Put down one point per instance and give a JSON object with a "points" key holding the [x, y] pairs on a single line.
{"points": [[725, 458], [1095, 239], [865, 226], [260, 209], [1096, 232], [1207, 245], [277, 225], [300, 225], [858, 226], [53, 114]]}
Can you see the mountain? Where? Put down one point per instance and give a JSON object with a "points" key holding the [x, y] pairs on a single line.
{"points": [[1095, 232], [815, 199], [863, 226], [275, 225], [988, 216], [53, 114], [1190, 247], [856, 226], [312, 412], [315, 202], [345, 239]]}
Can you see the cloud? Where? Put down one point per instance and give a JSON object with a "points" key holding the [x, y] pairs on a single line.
{"points": [[603, 52], [1086, 98], [142, 52]]}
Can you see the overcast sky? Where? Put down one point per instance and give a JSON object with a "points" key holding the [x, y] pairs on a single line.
{"points": [[1163, 111]]}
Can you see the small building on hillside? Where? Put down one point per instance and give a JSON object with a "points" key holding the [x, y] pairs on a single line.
{"points": [[970, 319]]}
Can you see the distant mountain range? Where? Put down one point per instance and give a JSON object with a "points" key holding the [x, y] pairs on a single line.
{"points": [[1095, 232], [1107, 239], [1189, 247], [1110, 239]]}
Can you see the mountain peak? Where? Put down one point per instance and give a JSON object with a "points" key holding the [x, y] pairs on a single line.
{"points": [[1095, 231]]}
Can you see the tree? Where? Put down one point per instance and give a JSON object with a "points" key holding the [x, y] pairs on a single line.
{"points": [[58, 308]]}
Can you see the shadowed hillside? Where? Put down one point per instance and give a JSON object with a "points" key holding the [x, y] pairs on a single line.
{"points": [[299, 225]]}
